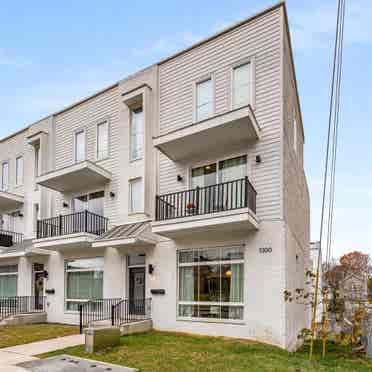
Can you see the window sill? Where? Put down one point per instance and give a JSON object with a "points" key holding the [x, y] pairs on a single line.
{"points": [[211, 320], [134, 160]]}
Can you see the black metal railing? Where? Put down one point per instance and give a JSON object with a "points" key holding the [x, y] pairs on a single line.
{"points": [[209, 199], [96, 310], [10, 306], [79, 222], [127, 311], [10, 238]]}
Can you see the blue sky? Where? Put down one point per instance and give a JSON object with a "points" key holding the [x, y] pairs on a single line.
{"points": [[53, 53]]}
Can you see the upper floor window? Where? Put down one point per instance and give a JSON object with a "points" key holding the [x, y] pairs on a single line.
{"points": [[19, 171], [80, 146], [5, 176], [294, 132], [241, 90], [136, 134], [37, 161], [102, 140], [93, 202], [136, 195], [204, 99]]}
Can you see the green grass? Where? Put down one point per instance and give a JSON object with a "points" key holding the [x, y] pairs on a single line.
{"points": [[171, 352], [24, 334]]}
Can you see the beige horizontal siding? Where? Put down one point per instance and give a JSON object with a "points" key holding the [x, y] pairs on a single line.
{"points": [[260, 39]]}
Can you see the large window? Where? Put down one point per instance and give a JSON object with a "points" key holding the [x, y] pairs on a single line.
{"points": [[241, 90], [102, 140], [93, 202], [218, 172], [80, 146], [136, 195], [8, 281], [211, 283], [204, 99], [136, 134], [5, 176], [19, 171], [84, 281]]}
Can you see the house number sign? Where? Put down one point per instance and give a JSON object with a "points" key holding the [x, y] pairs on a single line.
{"points": [[266, 250]]}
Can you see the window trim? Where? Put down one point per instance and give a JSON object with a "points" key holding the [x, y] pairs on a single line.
{"points": [[215, 161], [130, 181], [108, 154], [237, 304], [131, 111], [211, 76], [252, 61], [295, 132], [2, 175], [65, 261], [76, 132], [16, 170]]}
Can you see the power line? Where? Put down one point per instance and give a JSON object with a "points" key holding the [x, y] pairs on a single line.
{"points": [[330, 163]]}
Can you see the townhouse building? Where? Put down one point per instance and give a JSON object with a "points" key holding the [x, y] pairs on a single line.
{"points": [[182, 184]]}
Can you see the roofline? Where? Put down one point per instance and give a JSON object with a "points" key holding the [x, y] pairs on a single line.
{"points": [[293, 66], [224, 31], [162, 61]]}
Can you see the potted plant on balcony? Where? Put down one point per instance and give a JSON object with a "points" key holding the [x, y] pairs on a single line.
{"points": [[190, 207]]}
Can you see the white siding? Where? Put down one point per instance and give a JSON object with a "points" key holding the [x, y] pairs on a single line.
{"points": [[260, 39]]}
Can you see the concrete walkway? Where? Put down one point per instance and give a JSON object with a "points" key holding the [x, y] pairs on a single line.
{"points": [[10, 356]]}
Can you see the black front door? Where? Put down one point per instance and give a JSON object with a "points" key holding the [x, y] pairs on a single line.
{"points": [[137, 277], [39, 290]]}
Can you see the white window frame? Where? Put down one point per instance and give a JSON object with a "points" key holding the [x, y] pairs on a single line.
{"points": [[5, 187], [79, 270], [131, 181], [20, 157], [215, 161], [132, 111], [87, 194], [13, 273], [295, 131], [107, 155], [201, 80], [76, 133], [221, 262], [252, 61]]}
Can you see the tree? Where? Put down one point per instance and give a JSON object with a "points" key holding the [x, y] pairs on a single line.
{"points": [[356, 263]]}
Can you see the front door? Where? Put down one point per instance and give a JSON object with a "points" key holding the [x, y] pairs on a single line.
{"points": [[39, 286], [137, 279]]}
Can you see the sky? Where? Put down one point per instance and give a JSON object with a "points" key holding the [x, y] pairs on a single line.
{"points": [[54, 53]]}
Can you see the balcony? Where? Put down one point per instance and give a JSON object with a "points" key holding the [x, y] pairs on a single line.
{"points": [[73, 230], [9, 201], [223, 131], [9, 239], [225, 206], [75, 178]]}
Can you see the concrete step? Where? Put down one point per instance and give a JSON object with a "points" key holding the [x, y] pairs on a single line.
{"points": [[32, 318]]}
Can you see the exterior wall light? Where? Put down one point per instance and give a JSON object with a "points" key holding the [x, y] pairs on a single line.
{"points": [[258, 159], [151, 269], [112, 194], [64, 205], [179, 178]]}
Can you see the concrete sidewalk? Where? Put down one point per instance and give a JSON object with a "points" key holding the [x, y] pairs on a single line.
{"points": [[11, 356]]}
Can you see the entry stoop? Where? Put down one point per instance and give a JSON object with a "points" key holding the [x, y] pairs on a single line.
{"points": [[136, 327], [32, 318]]}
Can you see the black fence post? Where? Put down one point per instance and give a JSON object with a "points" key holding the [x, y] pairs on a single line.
{"points": [[81, 318]]}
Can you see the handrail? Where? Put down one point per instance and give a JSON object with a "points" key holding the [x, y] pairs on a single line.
{"points": [[79, 222], [10, 306], [223, 196], [133, 310], [10, 238], [95, 310]]}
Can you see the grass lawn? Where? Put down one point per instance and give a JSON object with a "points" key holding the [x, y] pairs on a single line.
{"points": [[171, 352], [23, 334]]}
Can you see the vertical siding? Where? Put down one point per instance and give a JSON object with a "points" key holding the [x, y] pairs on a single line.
{"points": [[261, 39]]}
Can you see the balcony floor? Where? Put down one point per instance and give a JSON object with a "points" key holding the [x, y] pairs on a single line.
{"points": [[238, 220]]}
